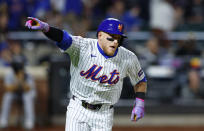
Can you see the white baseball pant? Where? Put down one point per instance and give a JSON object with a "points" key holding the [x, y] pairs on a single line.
{"points": [[80, 119]]}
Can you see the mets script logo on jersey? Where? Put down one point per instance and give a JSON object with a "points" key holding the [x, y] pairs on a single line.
{"points": [[94, 70]]}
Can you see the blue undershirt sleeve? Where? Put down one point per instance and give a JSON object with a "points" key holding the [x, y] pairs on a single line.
{"points": [[66, 41], [143, 80]]}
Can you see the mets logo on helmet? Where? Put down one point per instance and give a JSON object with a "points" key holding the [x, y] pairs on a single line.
{"points": [[120, 27]]}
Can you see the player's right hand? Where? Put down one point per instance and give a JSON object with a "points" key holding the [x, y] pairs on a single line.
{"points": [[36, 24], [138, 110]]}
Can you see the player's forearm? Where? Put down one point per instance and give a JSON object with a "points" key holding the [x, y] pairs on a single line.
{"points": [[62, 38], [140, 87], [140, 90], [54, 34]]}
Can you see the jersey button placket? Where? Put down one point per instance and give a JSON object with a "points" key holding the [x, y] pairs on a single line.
{"points": [[102, 70], [106, 63], [103, 64], [105, 67]]}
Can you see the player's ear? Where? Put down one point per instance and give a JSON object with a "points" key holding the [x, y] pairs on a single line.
{"points": [[100, 37], [99, 34]]}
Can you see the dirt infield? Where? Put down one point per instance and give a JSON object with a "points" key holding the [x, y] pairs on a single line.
{"points": [[165, 128]]}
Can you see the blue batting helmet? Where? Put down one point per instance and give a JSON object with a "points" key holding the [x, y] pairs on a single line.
{"points": [[112, 26]]}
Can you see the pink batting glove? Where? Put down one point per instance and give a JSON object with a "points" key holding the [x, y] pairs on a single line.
{"points": [[36, 24], [138, 110]]}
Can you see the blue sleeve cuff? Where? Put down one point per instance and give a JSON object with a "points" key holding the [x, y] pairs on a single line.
{"points": [[143, 80], [66, 41]]}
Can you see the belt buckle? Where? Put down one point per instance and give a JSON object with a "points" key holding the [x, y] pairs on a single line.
{"points": [[85, 105], [98, 107], [90, 107]]}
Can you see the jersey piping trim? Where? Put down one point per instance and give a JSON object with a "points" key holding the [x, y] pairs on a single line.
{"points": [[66, 41], [143, 80]]}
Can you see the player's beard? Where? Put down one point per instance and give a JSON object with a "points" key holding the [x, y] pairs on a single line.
{"points": [[110, 50]]}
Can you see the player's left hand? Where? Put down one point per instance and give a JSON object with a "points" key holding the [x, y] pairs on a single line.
{"points": [[36, 24], [138, 110]]}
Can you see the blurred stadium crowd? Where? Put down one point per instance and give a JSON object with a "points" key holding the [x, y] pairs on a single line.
{"points": [[174, 67], [81, 16], [158, 17], [72, 14]]}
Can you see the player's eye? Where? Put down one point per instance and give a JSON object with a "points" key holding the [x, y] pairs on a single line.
{"points": [[110, 39]]}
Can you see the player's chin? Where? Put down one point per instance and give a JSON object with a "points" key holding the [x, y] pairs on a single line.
{"points": [[110, 52]]}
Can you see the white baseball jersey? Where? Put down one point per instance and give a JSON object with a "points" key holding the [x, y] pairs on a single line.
{"points": [[96, 78]]}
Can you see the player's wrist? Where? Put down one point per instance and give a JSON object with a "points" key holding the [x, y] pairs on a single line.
{"points": [[140, 95], [139, 103], [139, 100], [46, 27]]}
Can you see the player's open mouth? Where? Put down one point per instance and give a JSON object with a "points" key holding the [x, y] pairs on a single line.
{"points": [[113, 47]]}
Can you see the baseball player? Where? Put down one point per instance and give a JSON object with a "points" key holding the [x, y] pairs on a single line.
{"points": [[20, 86], [98, 67]]}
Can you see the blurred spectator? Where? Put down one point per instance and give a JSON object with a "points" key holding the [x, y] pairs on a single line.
{"points": [[75, 17], [90, 4], [16, 49], [56, 19], [189, 57], [179, 13], [162, 15], [162, 20], [38, 8], [197, 12], [74, 6], [16, 13], [79, 25], [3, 21], [132, 19], [144, 9], [5, 55], [100, 7], [166, 56], [149, 56], [19, 87], [3, 27], [3, 16], [116, 10], [95, 10], [154, 54], [58, 5]]}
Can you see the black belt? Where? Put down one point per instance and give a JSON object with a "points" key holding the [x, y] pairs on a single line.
{"points": [[91, 106]]}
